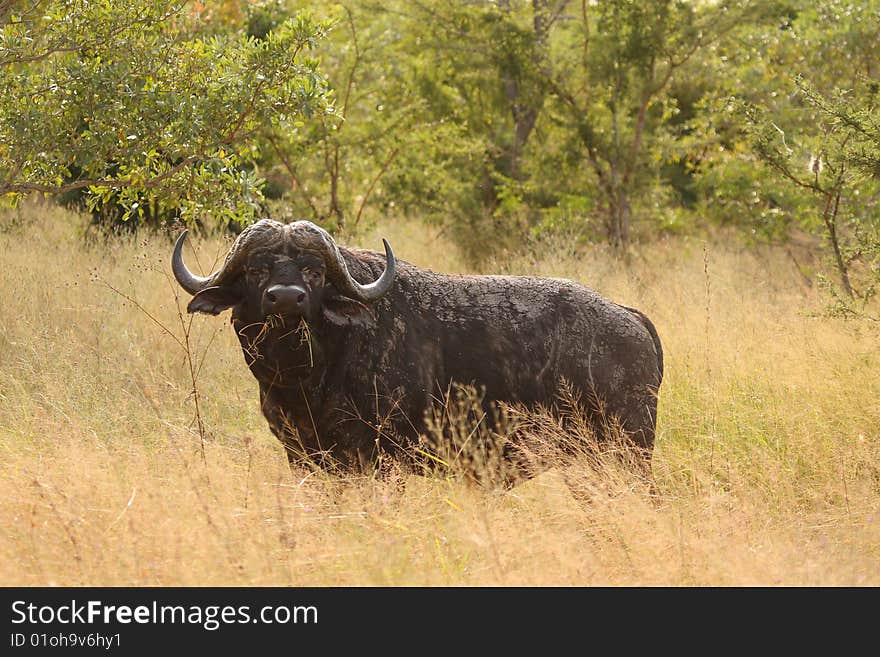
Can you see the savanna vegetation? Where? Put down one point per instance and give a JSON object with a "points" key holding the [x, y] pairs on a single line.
{"points": [[714, 164]]}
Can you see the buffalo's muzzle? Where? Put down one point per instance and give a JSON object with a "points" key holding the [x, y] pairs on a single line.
{"points": [[285, 300]]}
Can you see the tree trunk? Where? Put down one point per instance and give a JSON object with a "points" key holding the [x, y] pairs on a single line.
{"points": [[829, 216], [335, 208], [620, 215], [525, 114]]}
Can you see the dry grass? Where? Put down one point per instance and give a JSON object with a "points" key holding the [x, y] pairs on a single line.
{"points": [[767, 463]]}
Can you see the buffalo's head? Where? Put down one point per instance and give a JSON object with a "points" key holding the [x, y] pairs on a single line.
{"points": [[294, 271]]}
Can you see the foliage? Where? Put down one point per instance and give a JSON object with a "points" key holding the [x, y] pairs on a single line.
{"points": [[332, 167], [830, 164], [498, 118], [822, 140], [507, 123], [146, 104]]}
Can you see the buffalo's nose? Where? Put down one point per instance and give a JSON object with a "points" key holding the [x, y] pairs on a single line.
{"points": [[284, 299]]}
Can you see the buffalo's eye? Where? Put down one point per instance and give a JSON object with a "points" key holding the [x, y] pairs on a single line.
{"points": [[313, 276], [257, 272]]}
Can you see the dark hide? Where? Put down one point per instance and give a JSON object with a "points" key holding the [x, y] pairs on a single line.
{"points": [[362, 378]]}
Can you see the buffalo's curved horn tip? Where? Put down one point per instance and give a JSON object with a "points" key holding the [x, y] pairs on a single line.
{"points": [[379, 287], [188, 281]]}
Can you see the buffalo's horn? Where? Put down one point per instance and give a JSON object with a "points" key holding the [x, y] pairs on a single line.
{"points": [[188, 281], [337, 270], [263, 233]]}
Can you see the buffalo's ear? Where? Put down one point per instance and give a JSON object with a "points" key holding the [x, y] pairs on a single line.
{"points": [[343, 311], [214, 300]]}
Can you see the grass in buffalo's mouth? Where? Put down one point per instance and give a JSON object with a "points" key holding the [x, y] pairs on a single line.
{"points": [[305, 332]]}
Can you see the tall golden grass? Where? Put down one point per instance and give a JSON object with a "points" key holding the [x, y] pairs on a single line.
{"points": [[767, 462]]}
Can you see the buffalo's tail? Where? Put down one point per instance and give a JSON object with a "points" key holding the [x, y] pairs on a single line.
{"points": [[656, 338]]}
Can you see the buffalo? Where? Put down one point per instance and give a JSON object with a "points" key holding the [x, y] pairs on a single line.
{"points": [[352, 349]]}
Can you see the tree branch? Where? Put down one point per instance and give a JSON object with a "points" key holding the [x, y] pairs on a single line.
{"points": [[292, 171], [150, 183], [369, 191]]}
